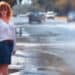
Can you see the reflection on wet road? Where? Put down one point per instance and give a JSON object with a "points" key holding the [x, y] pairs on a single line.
{"points": [[52, 52]]}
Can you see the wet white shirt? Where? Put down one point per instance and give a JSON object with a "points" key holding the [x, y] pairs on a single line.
{"points": [[7, 31]]}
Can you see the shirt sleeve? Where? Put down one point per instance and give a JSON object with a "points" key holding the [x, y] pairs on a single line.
{"points": [[14, 39], [14, 33]]}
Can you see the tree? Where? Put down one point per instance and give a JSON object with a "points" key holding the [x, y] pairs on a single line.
{"points": [[61, 6], [47, 4], [11, 2], [41, 2]]}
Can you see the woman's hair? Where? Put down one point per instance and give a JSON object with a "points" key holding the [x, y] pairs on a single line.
{"points": [[4, 4]]}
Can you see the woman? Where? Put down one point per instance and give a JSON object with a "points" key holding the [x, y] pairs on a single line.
{"points": [[7, 37]]}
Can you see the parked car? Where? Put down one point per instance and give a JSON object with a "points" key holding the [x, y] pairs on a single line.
{"points": [[50, 14], [20, 19], [36, 17], [71, 16]]}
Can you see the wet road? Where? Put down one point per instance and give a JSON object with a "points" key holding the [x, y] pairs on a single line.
{"points": [[50, 49]]}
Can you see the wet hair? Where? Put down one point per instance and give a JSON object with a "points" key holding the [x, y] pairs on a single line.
{"points": [[4, 5]]}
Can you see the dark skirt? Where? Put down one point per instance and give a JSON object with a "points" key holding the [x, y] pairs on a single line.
{"points": [[6, 48]]}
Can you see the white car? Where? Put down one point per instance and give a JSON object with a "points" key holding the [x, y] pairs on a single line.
{"points": [[20, 19], [50, 14]]}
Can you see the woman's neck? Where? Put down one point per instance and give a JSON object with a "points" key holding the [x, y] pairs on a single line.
{"points": [[5, 19]]}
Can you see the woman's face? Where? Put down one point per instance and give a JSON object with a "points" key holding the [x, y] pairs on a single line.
{"points": [[3, 11]]}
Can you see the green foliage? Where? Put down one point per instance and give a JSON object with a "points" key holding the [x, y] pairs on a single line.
{"points": [[47, 4], [11, 2], [6, 0]]}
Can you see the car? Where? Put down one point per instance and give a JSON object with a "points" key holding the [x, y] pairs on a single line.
{"points": [[50, 14], [36, 17], [20, 19], [71, 16]]}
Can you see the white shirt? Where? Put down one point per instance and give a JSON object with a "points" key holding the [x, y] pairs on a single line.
{"points": [[7, 31]]}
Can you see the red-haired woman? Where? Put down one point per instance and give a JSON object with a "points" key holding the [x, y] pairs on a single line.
{"points": [[7, 37]]}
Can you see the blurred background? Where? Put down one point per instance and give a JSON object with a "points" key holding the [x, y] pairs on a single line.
{"points": [[62, 7], [45, 37]]}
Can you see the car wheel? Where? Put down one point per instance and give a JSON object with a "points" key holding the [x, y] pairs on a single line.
{"points": [[39, 21]]}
